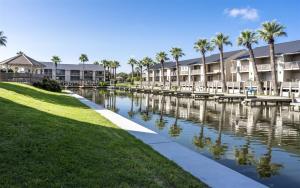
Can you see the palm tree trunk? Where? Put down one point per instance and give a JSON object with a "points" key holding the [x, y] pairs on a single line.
{"points": [[148, 76], [256, 75], [141, 76], [204, 71], [222, 71], [132, 77], [177, 71], [104, 74], [163, 76], [273, 68]]}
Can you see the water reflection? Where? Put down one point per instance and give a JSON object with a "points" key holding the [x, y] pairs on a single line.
{"points": [[260, 142], [175, 129]]}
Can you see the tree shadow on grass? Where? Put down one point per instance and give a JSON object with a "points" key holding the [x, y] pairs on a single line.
{"points": [[50, 97], [39, 149]]}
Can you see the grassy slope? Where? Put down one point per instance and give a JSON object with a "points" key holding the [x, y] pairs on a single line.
{"points": [[52, 140]]}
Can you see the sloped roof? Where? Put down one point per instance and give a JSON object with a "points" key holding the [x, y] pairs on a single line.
{"points": [[209, 59], [22, 60], [280, 48], [50, 65]]}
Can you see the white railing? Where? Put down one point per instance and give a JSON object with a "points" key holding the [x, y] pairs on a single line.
{"points": [[292, 65], [244, 68], [196, 71], [264, 67], [184, 72]]}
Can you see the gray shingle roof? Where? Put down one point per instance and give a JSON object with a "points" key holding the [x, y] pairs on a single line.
{"points": [[50, 65], [280, 48], [209, 59], [22, 60]]}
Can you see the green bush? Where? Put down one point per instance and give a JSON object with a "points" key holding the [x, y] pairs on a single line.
{"points": [[103, 84], [48, 84]]}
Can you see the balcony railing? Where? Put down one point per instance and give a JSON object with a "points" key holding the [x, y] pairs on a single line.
{"points": [[184, 72], [195, 71], [214, 72], [244, 68], [294, 65], [264, 67]]}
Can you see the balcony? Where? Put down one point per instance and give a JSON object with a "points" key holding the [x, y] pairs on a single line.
{"points": [[217, 71], [173, 73], [185, 72], [196, 71], [294, 65], [244, 68], [263, 67]]}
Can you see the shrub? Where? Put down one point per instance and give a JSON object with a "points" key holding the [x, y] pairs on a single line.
{"points": [[103, 84], [48, 84]]}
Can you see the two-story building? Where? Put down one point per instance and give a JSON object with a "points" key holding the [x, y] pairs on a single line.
{"points": [[287, 58], [21, 63]]}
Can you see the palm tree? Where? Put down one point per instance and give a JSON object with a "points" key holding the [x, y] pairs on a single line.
{"points": [[247, 38], [3, 39], [140, 65], [177, 53], [219, 41], [56, 60], [96, 63], [148, 62], [83, 58], [116, 64], [268, 32], [161, 57], [203, 46], [104, 63], [132, 62]]}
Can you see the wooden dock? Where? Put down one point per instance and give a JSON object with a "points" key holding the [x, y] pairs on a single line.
{"points": [[231, 98], [267, 100]]}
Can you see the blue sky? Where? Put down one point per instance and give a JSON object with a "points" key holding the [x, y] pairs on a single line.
{"points": [[120, 29]]}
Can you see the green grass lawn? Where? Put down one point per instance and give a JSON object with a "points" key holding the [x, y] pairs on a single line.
{"points": [[52, 140]]}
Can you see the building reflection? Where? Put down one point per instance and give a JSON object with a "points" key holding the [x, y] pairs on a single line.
{"points": [[269, 125]]}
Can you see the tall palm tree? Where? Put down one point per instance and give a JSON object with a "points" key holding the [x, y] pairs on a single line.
{"points": [[3, 39], [247, 38], [116, 65], [140, 65], [132, 62], [162, 57], [83, 58], [148, 62], [203, 46], [56, 60], [104, 63], [177, 53], [268, 32], [219, 41]]}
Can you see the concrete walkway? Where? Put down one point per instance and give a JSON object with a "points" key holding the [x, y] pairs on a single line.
{"points": [[205, 169]]}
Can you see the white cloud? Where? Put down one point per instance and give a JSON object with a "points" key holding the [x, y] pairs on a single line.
{"points": [[244, 13]]}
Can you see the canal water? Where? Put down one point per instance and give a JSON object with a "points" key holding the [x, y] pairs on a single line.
{"points": [[262, 143]]}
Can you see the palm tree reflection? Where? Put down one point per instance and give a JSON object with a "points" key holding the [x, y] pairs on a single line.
{"points": [[243, 155], [175, 129], [264, 166], [160, 123], [201, 141], [218, 149], [131, 112], [145, 114], [112, 100]]}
